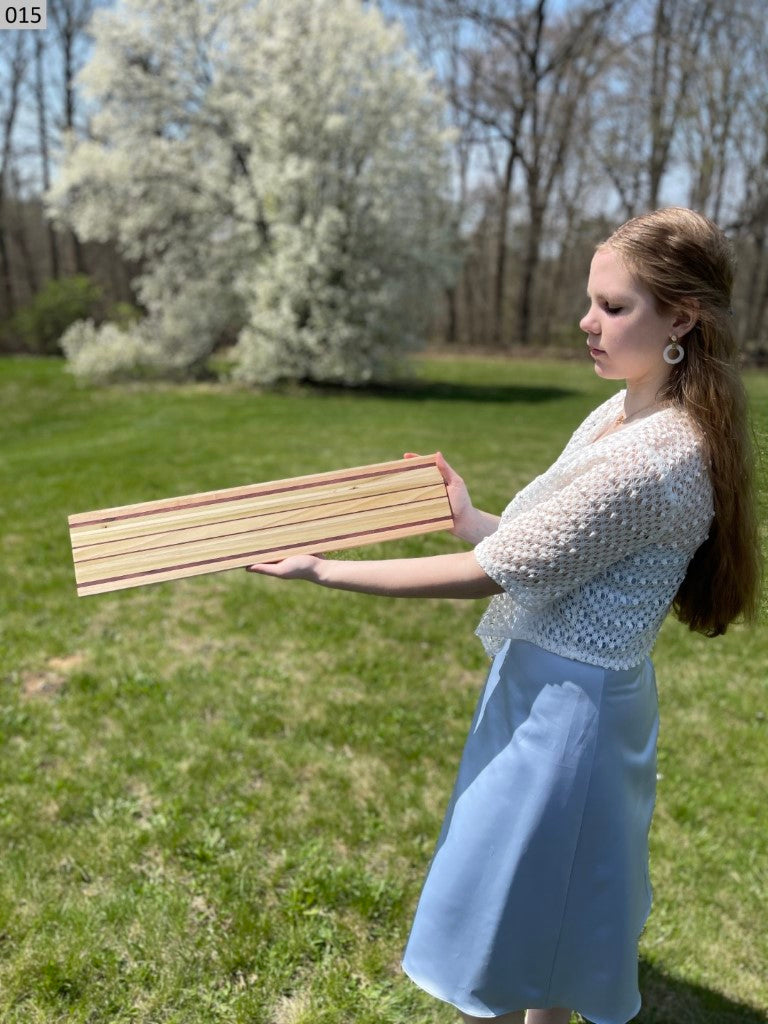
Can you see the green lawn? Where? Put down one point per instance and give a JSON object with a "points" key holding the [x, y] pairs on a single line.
{"points": [[219, 796]]}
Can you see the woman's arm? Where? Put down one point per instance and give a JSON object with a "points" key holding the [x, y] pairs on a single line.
{"points": [[454, 575]]}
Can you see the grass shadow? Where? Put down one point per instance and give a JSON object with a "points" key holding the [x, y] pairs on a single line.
{"points": [[449, 391], [670, 1000]]}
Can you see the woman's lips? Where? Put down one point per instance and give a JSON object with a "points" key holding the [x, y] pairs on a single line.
{"points": [[595, 351]]}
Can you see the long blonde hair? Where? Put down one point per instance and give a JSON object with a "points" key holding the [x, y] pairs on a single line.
{"points": [[686, 262]]}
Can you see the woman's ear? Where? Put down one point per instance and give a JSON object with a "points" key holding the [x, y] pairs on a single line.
{"points": [[686, 320]]}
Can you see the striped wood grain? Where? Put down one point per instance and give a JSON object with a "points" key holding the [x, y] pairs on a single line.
{"points": [[169, 539]]}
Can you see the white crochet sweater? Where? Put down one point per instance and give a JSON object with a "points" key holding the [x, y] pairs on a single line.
{"points": [[591, 553]]}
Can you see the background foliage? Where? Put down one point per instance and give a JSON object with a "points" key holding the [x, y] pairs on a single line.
{"points": [[567, 118]]}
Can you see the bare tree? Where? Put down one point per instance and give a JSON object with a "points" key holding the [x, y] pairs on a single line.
{"points": [[19, 233], [620, 122], [503, 121], [544, 71], [711, 112], [750, 210], [679, 27], [752, 227], [44, 143], [567, 243], [523, 75], [646, 98], [440, 41], [14, 56], [69, 20], [559, 79]]}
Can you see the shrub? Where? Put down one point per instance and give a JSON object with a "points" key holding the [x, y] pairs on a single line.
{"points": [[59, 303], [124, 314]]}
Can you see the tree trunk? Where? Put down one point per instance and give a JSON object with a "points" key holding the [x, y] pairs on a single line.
{"points": [[761, 326], [19, 235], [451, 329], [501, 249], [530, 266], [68, 32], [750, 327], [468, 298], [659, 94], [6, 281], [18, 64], [45, 162]]}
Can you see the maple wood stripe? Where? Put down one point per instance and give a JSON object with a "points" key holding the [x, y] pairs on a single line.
{"points": [[233, 533], [246, 555], [352, 499], [327, 481]]}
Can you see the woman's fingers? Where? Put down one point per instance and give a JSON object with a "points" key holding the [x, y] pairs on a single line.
{"points": [[295, 567], [440, 462], [267, 568]]}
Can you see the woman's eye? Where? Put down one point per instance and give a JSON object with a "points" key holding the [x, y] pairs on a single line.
{"points": [[613, 310]]}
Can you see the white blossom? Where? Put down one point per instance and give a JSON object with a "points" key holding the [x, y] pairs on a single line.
{"points": [[277, 167]]}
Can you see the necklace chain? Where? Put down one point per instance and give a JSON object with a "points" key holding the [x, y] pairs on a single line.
{"points": [[622, 418]]}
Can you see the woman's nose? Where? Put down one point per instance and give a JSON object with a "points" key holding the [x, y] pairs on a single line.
{"points": [[588, 323]]}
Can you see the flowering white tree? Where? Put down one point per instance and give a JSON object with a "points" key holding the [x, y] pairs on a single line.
{"points": [[276, 166]]}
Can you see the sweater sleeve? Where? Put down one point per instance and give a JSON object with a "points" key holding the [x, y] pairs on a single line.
{"points": [[611, 510]]}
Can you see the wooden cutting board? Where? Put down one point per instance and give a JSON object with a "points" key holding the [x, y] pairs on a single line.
{"points": [[171, 538]]}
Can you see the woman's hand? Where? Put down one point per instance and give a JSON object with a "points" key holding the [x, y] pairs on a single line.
{"points": [[295, 567], [458, 495], [469, 523]]}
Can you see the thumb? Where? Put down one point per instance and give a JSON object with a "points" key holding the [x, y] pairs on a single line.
{"points": [[442, 465]]}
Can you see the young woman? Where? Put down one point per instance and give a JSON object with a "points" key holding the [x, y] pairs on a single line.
{"points": [[539, 890]]}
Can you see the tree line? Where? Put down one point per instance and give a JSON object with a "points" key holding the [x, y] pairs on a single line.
{"points": [[571, 118], [564, 120], [39, 109]]}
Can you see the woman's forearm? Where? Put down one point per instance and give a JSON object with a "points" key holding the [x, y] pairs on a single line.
{"points": [[475, 526], [456, 575], [453, 575]]}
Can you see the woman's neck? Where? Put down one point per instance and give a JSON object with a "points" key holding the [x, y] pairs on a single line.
{"points": [[642, 395]]}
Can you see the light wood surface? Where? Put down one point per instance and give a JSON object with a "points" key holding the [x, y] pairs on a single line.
{"points": [[171, 538]]}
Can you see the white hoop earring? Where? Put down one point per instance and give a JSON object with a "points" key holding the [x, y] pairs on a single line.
{"points": [[674, 353]]}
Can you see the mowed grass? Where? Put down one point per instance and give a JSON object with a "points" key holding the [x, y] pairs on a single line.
{"points": [[220, 796]]}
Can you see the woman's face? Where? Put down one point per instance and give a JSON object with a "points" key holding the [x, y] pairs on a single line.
{"points": [[625, 333]]}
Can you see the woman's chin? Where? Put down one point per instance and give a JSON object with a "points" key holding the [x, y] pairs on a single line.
{"points": [[605, 373]]}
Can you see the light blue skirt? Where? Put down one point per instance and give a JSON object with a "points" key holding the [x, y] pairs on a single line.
{"points": [[539, 888]]}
